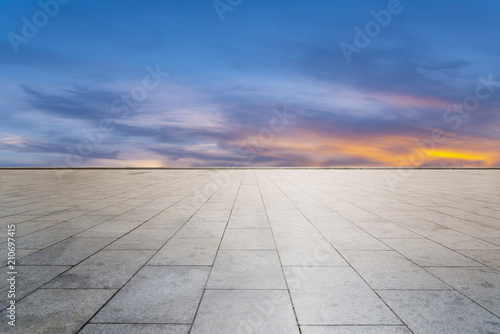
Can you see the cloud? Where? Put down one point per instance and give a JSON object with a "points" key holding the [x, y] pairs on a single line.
{"points": [[78, 102]]}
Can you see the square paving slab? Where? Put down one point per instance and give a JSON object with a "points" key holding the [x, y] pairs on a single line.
{"points": [[267, 251]]}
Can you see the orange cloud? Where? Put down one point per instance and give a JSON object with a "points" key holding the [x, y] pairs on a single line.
{"points": [[455, 155], [310, 149]]}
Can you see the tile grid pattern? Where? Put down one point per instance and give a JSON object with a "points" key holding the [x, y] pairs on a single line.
{"points": [[255, 251]]}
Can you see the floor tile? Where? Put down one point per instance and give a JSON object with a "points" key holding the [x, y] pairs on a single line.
{"points": [[386, 230], [389, 270], [352, 238], [355, 330], [437, 312], [106, 269], [143, 239], [248, 222], [157, 294], [110, 229], [335, 296], [428, 253], [246, 269], [30, 278], [202, 230], [67, 252], [304, 252], [45, 238], [187, 252], [489, 258], [55, 310], [247, 239], [482, 285], [134, 329], [245, 311]]}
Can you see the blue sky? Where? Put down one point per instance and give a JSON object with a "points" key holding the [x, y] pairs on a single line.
{"points": [[170, 83]]}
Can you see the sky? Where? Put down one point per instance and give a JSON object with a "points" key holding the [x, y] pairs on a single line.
{"points": [[240, 83]]}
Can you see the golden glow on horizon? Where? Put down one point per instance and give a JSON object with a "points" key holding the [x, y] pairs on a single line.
{"points": [[456, 155], [313, 149], [147, 163], [308, 148]]}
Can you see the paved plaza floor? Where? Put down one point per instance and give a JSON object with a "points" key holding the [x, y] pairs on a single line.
{"points": [[264, 251]]}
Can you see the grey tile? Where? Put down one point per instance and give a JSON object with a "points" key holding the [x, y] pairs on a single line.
{"points": [[494, 240], [67, 252], [143, 239], [294, 230], [248, 239], [110, 229], [20, 254], [246, 269], [157, 294], [359, 215], [303, 252], [248, 211], [427, 253], [56, 310], [104, 270], [458, 241], [86, 221], [167, 220], [355, 330], [211, 216], [113, 210], [63, 215], [335, 296], [245, 311], [32, 226], [287, 216], [16, 219], [389, 270], [437, 312], [353, 238], [482, 285], [248, 222], [489, 258], [202, 230], [187, 251], [387, 230], [134, 329], [45, 238], [30, 278]]}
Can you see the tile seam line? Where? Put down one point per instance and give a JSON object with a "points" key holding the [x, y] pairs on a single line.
{"points": [[218, 248], [72, 266], [374, 290], [381, 239], [279, 257], [98, 210], [90, 202], [118, 290], [75, 236], [452, 288], [357, 273]]}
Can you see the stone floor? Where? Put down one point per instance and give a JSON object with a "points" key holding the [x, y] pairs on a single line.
{"points": [[253, 251]]}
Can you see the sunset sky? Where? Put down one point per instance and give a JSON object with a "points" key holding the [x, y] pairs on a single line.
{"points": [[200, 83]]}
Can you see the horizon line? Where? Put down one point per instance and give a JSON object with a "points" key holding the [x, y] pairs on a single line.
{"points": [[242, 168]]}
